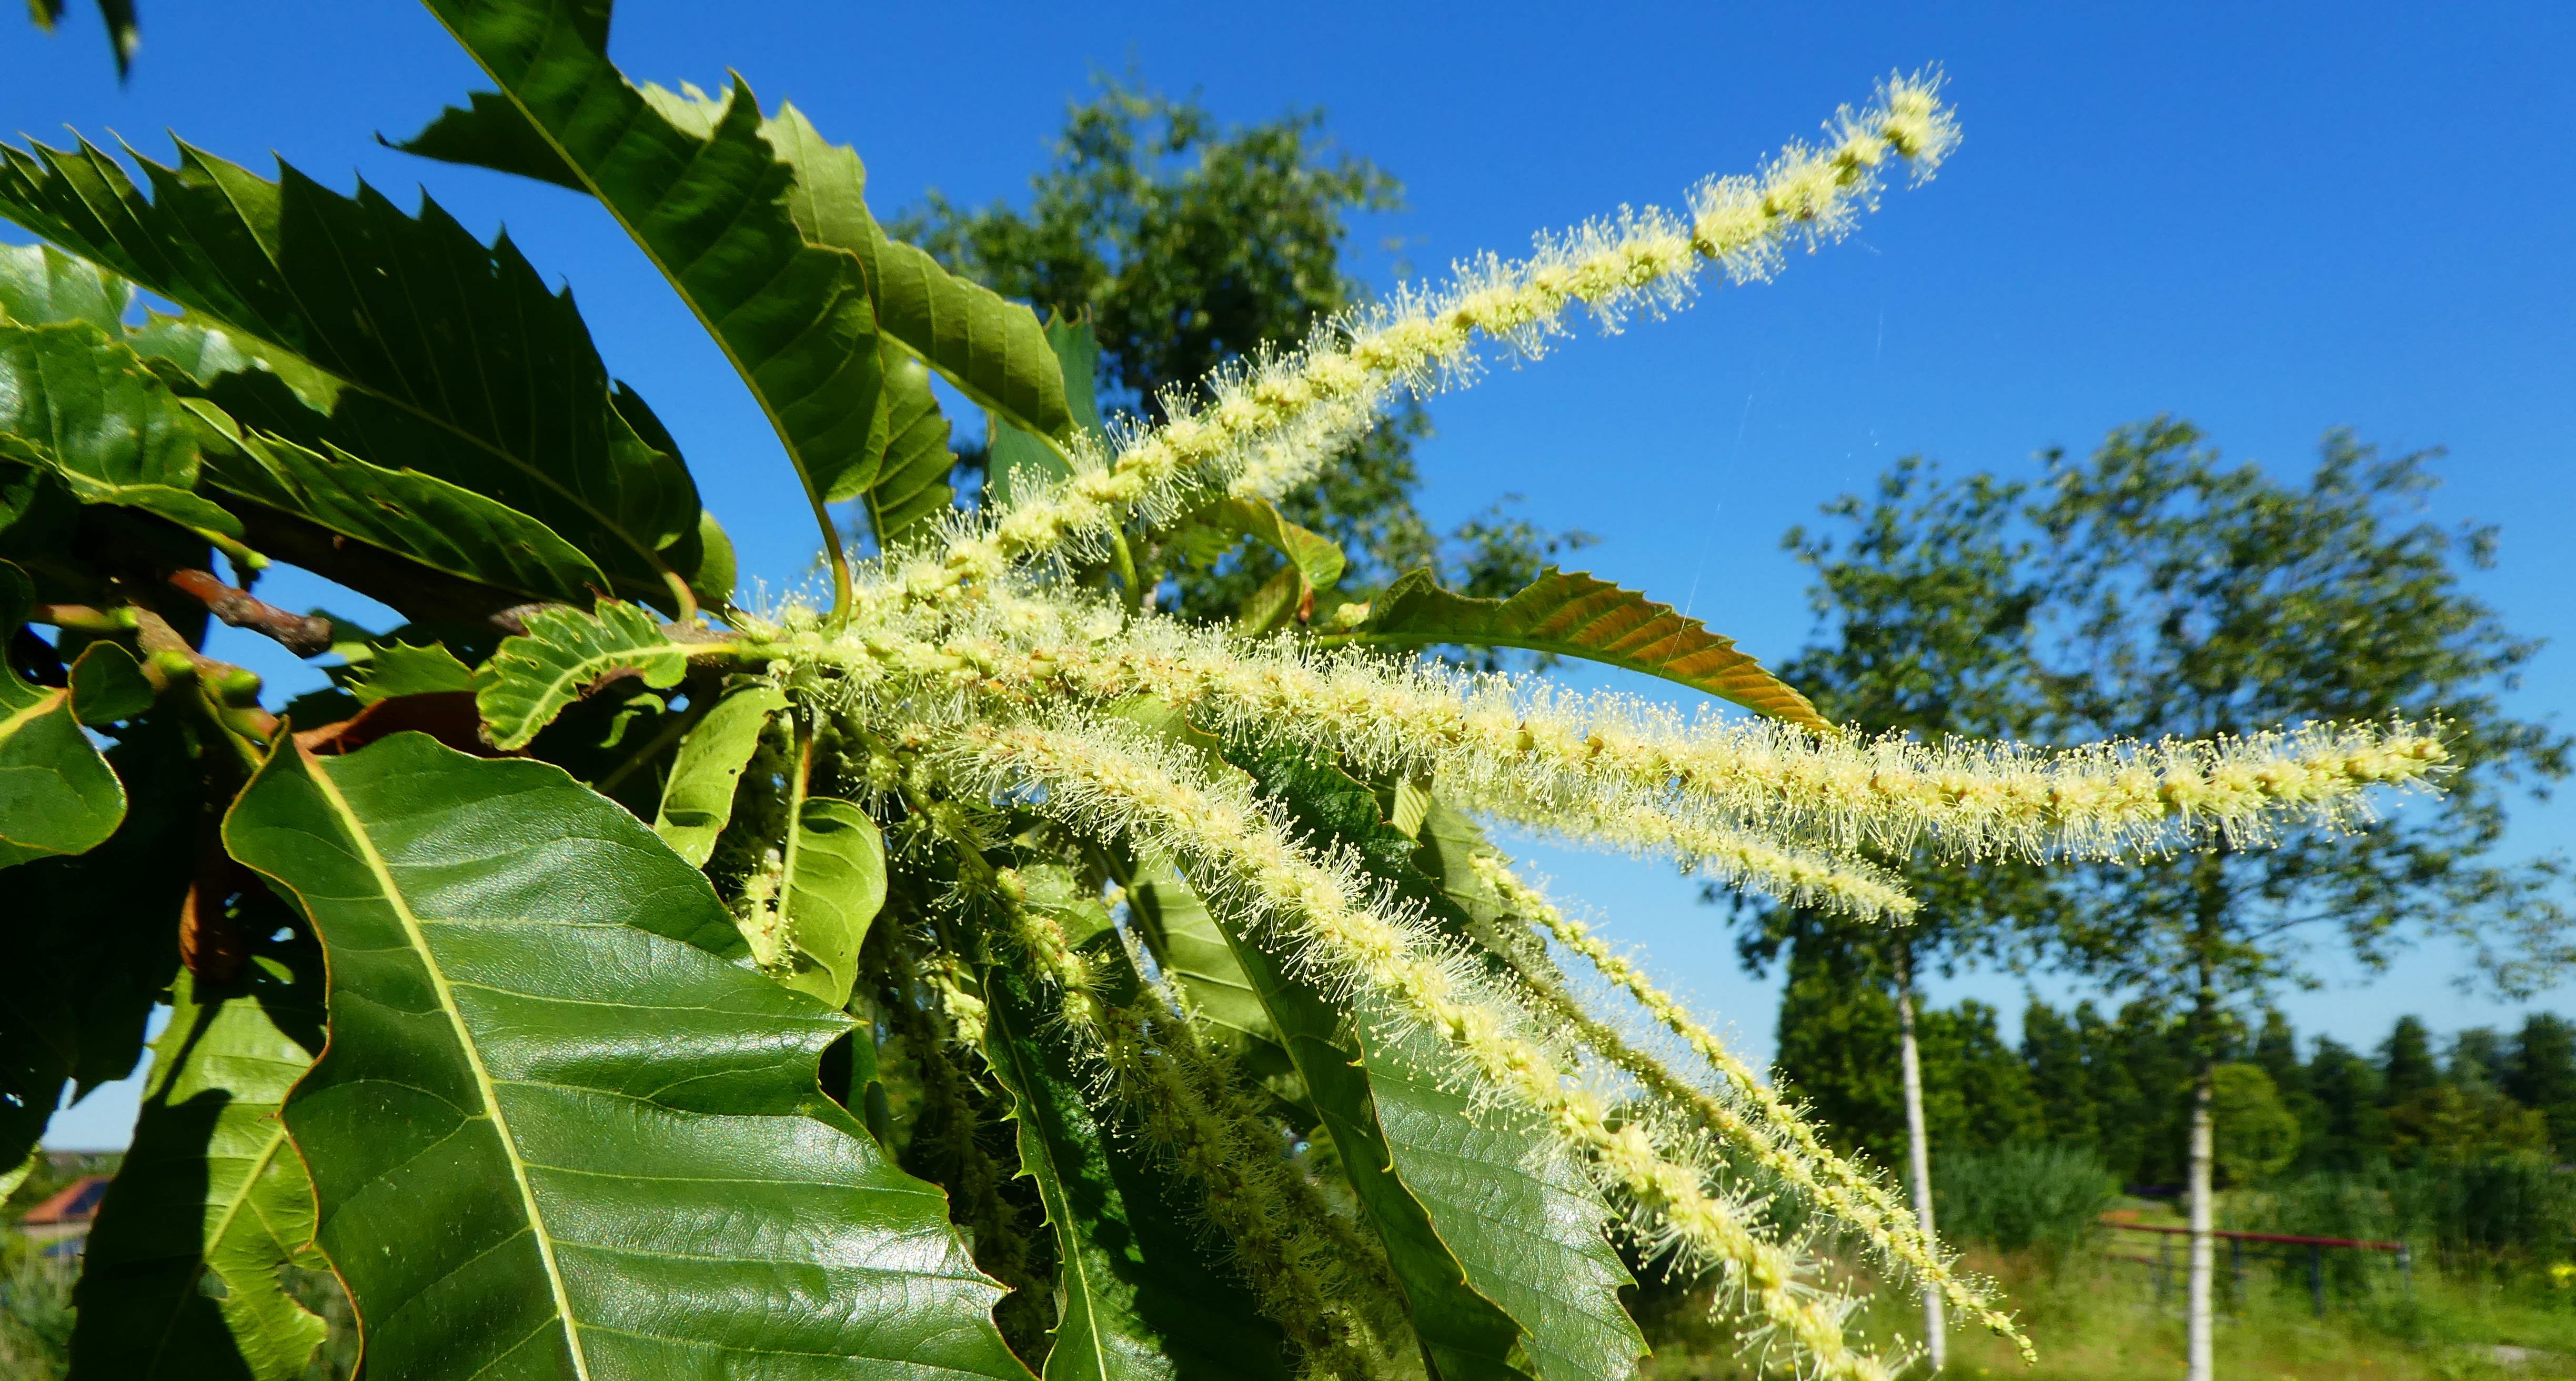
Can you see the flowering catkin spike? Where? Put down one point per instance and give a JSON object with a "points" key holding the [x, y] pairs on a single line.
{"points": [[1266, 426], [1105, 782], [1623, 770], [1769, 1130], [1741, 859]]}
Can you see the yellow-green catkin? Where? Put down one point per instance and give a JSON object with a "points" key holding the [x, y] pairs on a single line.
{"points": [[1778, 808], [1268, 426], [1104, 782], [1771, 1131]]}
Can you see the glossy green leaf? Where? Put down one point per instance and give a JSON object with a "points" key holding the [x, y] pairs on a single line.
{"points": [[1138, 1295], [183, 1274], [92, 941], [910, 487], [418, 517], [398, 668], [716, 576], [1525, 1222], [552, 1135], [399, 339], [57, 794], [1515, 1216], [38, 517], [832, 883], [563, 654], [1578, 616], [1447, 843], [703, 196], [1269, 608], [81, 403], [992, 349], [108, 685], [697, 800]]}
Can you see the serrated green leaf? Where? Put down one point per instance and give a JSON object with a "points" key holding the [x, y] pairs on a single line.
{"points": [[183, 1273], [93, 941], [40, 285], [607, 1126], [1020, 462], [1514, 1215], [81, 403], [401, 340], [57, 793], [832, 883], [564, 652], [398, 668], [1575, 615], [910, 486], [415, 516], [108, 685], [992, 349], [697, 800], [703, 197], [1522, 1219], [1138, 1297]]}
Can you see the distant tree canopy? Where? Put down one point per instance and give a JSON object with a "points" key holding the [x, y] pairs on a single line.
{"points": [[2150, 590], [2119, 1086], [1188, 245]]}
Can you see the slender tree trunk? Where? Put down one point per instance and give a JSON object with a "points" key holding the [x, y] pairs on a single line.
{"points": [[2203, 1258], [2208, 929], [1918, 1151]]}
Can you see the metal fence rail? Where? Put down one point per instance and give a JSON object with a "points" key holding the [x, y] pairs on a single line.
{"points": [[2288, 1245]]}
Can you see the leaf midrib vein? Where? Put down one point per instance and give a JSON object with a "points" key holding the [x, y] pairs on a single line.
{"points": [[393, 897]]}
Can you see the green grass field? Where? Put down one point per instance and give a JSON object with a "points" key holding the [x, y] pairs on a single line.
{"points": [[2097, 1318]]}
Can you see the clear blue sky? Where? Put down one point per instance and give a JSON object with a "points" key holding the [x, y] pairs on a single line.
{"points": [[2271, 219]]}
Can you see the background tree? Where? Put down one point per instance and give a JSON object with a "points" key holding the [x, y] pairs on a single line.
{"points": [[1928, 602], [1188, 246], [2406, 1066], [2257, 1136], [2053, 1047], [2542, 1074], [2352, 1129], [2189, 597], [2152, 591]]}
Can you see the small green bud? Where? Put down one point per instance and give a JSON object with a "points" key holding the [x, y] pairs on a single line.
{"points": [[238, 687]]}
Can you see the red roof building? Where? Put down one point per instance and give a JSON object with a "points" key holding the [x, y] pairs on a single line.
{"points": [[68, 1213]]}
